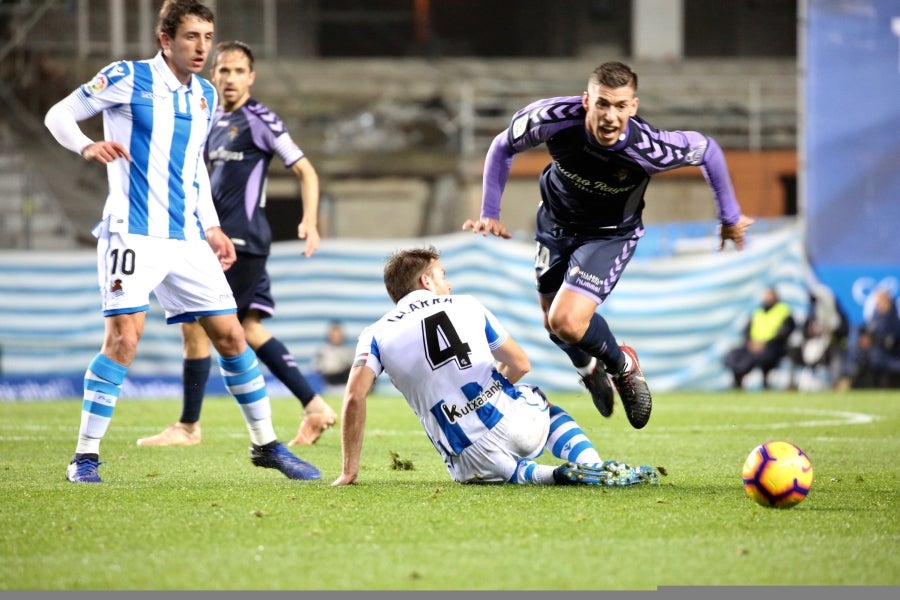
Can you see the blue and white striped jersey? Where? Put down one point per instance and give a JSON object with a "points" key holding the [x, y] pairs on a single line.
{"points": [[164, 191], [437, 351]]}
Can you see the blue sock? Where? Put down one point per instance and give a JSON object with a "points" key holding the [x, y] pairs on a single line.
{"points": [[195, 374], [102, 387], [579, 357], [245, 382], [599, 341], [567, 440], [282, 365]]}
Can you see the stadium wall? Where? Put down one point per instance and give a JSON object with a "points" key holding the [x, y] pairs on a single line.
{"points": [[681, 303]]}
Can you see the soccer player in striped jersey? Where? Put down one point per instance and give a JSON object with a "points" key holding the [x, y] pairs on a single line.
{"points": [[244, 139], [589, 220], [459, 370], [160, 231]]}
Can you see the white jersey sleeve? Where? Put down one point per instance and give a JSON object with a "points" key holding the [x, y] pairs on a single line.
{"points": [[437, 352]]}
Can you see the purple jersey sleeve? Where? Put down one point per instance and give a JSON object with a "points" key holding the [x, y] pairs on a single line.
{"points": [[530, 127], [586, 185]]}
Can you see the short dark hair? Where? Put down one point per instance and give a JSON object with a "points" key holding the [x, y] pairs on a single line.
{"points": [[173, 11], [403, 269], [614, 74], [234, 46]]}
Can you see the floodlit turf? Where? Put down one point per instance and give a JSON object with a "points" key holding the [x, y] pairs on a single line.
{"points": [[205, 518]]}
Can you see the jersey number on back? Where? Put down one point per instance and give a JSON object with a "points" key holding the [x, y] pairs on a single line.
{"points": [[442, 343]]}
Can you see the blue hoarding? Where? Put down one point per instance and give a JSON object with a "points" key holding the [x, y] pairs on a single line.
{"points": [[851, 146]]}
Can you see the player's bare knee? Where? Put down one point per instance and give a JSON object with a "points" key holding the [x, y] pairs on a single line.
{"points": [[565, 327]]}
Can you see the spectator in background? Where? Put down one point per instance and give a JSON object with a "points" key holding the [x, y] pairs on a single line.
{"points": [[765, 339], [333, 359], [823, 341], [874, 360]]}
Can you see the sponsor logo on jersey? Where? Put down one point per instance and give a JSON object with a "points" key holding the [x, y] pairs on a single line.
{"points": [[152, 96], [454, 413], [595, 187], [586, 280], [221, 153]]}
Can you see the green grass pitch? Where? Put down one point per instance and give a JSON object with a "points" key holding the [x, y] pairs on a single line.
{"points": [[204, 518]]}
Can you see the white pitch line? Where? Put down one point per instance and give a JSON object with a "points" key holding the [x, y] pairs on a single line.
{"points": [[837, 417]]}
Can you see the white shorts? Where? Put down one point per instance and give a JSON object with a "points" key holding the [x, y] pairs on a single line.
{"points": [[521, 433], [186, 277]]}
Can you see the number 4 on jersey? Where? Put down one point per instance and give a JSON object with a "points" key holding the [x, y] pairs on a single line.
{"points": [[442, 343]]}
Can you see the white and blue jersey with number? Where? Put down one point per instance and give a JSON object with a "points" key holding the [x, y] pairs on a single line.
{"points": [[437, 351], [164, 190]]}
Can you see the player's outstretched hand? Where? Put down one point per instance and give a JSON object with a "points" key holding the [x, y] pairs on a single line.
{"points": [[487, 226], [736, 233]]}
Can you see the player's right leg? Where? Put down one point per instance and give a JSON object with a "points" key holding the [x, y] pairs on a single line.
{"points": [[550, 265], [128, 267]]}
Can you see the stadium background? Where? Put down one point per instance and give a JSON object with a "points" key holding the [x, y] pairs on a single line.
{"points": [[395, 105]]}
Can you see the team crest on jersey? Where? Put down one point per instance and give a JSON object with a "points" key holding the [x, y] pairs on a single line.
{"points": [[116, 288], [97, 84], [621, 175], [232, 133], [203, 104]]}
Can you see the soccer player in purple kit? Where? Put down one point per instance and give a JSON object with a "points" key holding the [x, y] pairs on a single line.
{"points": [[589, 220], [244, 139]]}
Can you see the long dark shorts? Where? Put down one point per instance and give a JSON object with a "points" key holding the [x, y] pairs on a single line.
{"points": [[588, 262], [251, 285]]}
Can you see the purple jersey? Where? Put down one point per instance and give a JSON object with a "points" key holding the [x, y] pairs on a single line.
{"points": [[589, 186], [240, 147]]}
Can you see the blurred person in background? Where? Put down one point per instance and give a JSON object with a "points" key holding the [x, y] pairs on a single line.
{"points": [[333, 359], [764, 339], [873, 361], [823, 342]]}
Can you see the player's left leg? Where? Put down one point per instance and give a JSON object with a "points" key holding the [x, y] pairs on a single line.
{"points": [[317, 414], [197, 289]]}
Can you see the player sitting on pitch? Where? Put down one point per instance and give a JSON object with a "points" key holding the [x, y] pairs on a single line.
{"points": [[457, 367]]}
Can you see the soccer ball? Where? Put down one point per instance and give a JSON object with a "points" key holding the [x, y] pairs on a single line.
{"points": [[777, 474]]}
